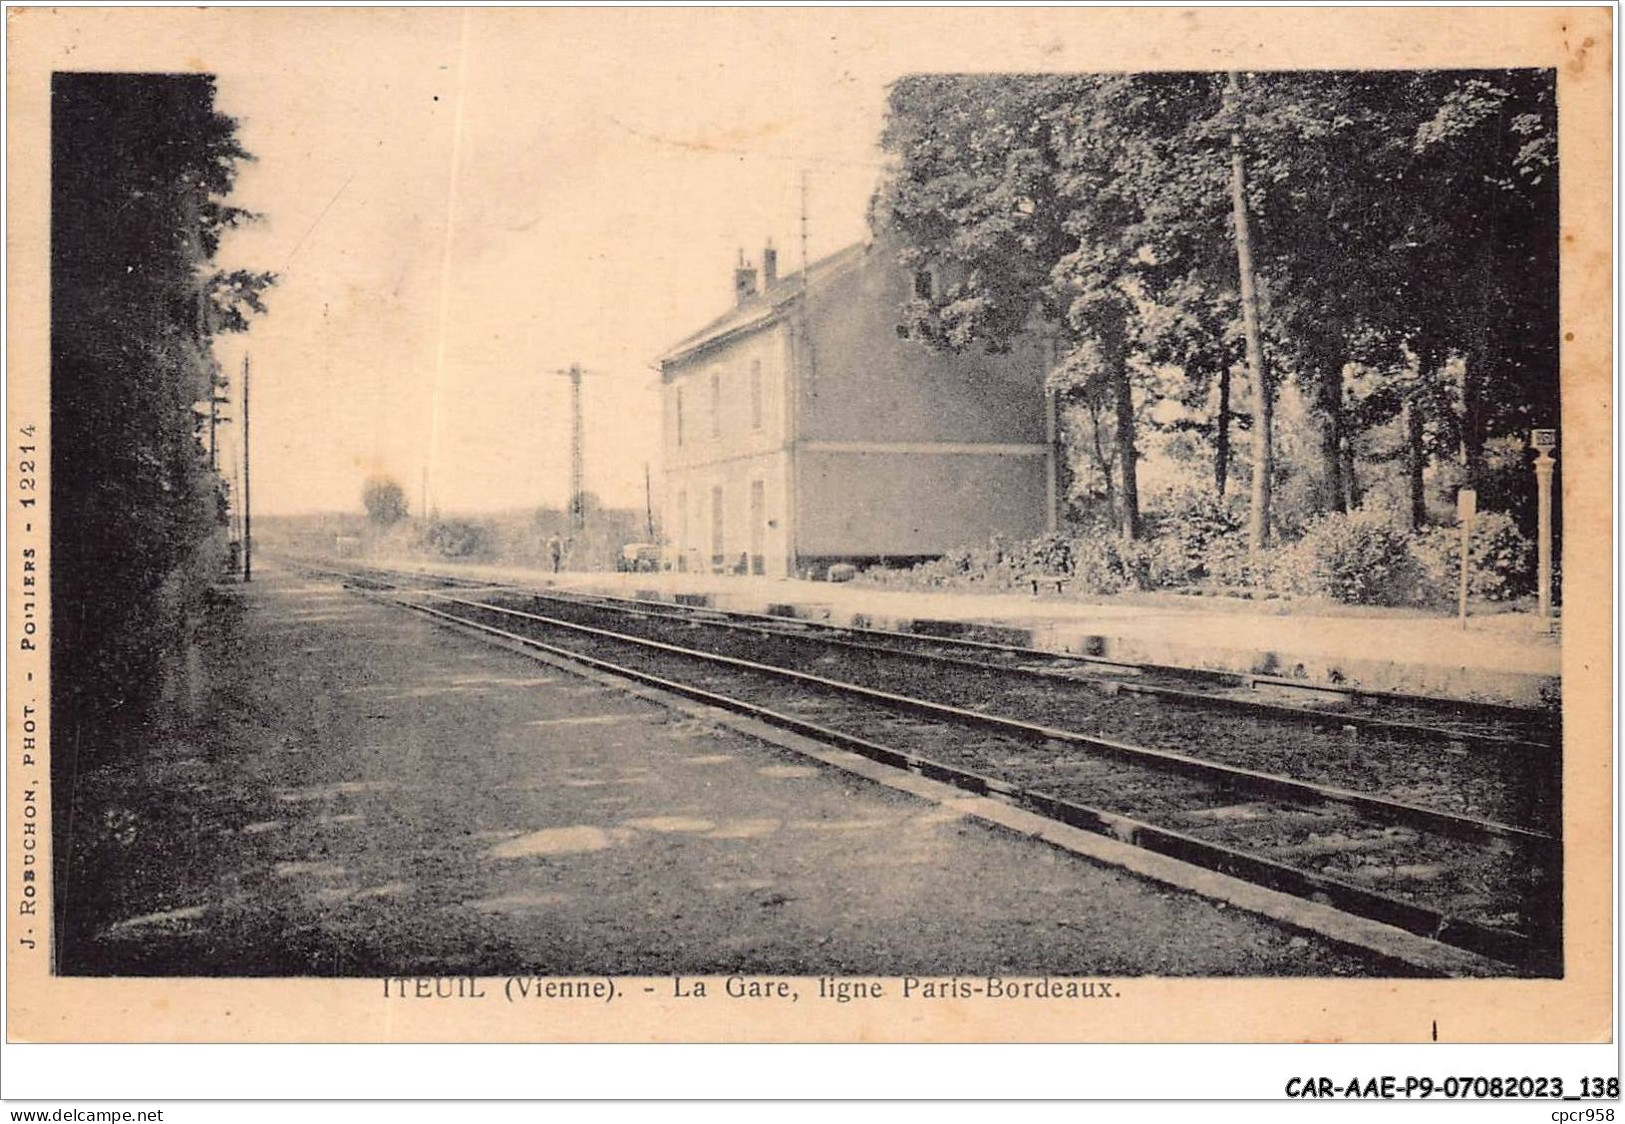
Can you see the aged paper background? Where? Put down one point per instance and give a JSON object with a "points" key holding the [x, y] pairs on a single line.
{"points": [[1574, 41]]}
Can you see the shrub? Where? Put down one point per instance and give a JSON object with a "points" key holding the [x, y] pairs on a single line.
{"points": [[995, 564], [457, 538], [1049, 554], [1101, 563], [1108, 564], [1229, 563], [1358, 559], [1194, 535], [1502, 559], [955, 562]]}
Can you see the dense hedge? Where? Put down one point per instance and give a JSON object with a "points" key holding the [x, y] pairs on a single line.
{"points": [[140, 166]]}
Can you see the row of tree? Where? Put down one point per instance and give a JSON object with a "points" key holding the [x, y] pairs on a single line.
{"points": [[141, 168], [1384, 242]]}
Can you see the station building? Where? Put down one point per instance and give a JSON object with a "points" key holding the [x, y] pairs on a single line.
{"points": [[803, 428]]}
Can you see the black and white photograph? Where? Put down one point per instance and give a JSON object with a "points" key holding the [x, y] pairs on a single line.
{"points": [[803, 520]]}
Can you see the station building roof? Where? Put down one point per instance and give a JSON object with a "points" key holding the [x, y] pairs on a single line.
{"points": [[766, 307]]}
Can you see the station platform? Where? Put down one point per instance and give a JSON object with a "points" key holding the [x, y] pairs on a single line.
{"points": [[1499, 657]]}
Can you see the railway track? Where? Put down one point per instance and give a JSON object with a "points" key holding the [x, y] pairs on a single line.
{"points": [[1470, 723], [1523, 782], [1477, 723], [1480, 872]]}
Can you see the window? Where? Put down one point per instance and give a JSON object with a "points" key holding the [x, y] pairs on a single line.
{"points": [[679, 415], [756, 394], [716, 405]]}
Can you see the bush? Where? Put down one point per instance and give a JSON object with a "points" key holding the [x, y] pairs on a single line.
{"points": [[1502, 559], [1193, 536], [1100, 563], [1048, 554], [457, 538], [1358, 559], [1230, 563], [1364, 558], [1108, 564], [994, 565]]}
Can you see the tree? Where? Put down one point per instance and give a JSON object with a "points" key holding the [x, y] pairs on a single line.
{"points": [[1411, 216], [1258, 522], [977, 199], [1483, 228], [141, 166], [1401, 228], [385, 501]]}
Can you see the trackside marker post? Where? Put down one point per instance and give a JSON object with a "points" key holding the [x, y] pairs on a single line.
{"points": [[1544, 441]]}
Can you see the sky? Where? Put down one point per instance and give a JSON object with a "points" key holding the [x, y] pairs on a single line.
{"points": [[461, 203]]}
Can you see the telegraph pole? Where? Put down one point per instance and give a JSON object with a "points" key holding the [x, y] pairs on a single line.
{"points": [[804, 228], [648, 502], [248, 512], [578, 473], [578, 501]]}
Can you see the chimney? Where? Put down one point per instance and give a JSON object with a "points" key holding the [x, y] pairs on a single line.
{"points": [[770, 266], [744, 280]]}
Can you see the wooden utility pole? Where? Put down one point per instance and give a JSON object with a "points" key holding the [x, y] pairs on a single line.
{"points": [[578, 499], [1258, 522], [578, 472], [804, 229], [248, 510]]}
